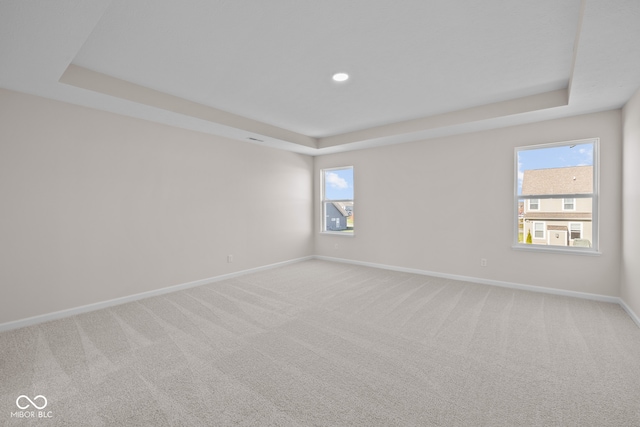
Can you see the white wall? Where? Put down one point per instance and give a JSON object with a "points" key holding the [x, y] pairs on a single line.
{"points": [[443, 204], [630, 289], [96, 206]]}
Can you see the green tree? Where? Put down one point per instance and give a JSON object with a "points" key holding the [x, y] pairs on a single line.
{"points": [[529, 239]]}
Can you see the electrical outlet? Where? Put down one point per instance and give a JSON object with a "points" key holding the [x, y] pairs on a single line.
{"points": [[229, 258], [483, 262]]}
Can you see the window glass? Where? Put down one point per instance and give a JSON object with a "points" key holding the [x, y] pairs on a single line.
{"points": [[538, 230], [556, 195], [337, 200], [576, 230], [568, 204]]}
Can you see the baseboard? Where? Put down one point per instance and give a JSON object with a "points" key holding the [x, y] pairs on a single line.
{"points": [[630, 312], [122, 300], [540, 289]]}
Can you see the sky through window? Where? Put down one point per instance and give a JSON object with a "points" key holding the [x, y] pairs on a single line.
{"points": [[554, 157]]}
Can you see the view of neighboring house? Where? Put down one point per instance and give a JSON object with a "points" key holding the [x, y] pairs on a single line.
{"points": [[558, 221], [337, 214]]}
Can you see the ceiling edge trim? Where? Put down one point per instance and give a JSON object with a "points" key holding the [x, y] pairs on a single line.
{"points": [[94, 81], [576, 45], [84, 78], [553, 99]]}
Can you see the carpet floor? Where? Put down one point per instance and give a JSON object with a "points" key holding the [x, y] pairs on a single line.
{"points": [[318, 343]]}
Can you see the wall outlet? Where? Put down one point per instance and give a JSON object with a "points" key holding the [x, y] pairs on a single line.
{"points": [[483, 262], [229, 258]]}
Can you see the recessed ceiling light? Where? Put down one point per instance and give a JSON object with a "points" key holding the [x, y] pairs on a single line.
{"points": [[340, 77]]}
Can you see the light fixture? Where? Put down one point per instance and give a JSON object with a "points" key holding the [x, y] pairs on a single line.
{"points": [[340, 77]]}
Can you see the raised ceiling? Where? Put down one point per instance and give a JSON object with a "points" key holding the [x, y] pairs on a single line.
{"points": [[262, 70]]}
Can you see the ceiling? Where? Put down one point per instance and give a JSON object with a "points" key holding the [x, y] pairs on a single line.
{"points": [[261, 71]]}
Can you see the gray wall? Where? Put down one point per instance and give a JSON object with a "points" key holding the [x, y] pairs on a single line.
{"points": [[456, 195], [630, 289], [97, 206]]}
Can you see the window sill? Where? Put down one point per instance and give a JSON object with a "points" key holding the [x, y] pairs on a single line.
{"points": [[338, 233], [557, 249]]}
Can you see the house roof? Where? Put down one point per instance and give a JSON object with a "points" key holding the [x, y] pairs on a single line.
{"points": [[569, 180], [342, 207], [557, 228]]}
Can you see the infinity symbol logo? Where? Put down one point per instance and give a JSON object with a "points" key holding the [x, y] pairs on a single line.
{"points": [[22, 396]]}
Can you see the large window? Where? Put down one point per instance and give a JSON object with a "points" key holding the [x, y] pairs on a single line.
{"points": [[337, 200], [556, 196]]}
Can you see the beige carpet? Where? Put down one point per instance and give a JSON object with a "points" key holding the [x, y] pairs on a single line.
{"points": [[327, 344]]}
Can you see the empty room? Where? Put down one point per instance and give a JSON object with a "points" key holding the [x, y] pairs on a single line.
{"points": [[320, 213]]}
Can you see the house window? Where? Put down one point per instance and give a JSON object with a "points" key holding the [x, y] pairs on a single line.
{"points": [[575, 230], [568, 204], [559, 185], [538, 230], [337, 200]]}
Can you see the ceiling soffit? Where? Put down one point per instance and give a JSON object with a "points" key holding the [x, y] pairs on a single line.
{"points": [[437, 71]]}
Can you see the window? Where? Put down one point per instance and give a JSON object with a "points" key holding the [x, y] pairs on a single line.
{"points": [[538, 230], [337, 200], [575, 230], [558, 185], [568, 204]]}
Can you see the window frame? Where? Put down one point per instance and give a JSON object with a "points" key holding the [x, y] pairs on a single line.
{"points": [[595, 205], [537, 204], [544, 230], [324, 201], [581, 229], [564, 203]]}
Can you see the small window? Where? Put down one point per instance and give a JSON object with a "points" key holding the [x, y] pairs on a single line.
{"points": [[568, 204], [538, 230], [558, 186], [337, 200], [575, 230]]}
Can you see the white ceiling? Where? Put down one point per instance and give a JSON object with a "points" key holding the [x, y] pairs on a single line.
{"points": [[249, 69]]}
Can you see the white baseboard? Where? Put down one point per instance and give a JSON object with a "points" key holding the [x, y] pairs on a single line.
{"points": [[630, 312], [122, 300], [575, 294], [583, 295]]}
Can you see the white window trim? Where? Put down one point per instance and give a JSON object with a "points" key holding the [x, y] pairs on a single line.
{"points": [[323, 203], [581, 229], [544, 230], [574, 204], [595, 237], [529, 204]]}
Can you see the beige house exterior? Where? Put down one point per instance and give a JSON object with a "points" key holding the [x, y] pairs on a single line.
{"points": [[558, 221]]}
